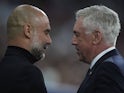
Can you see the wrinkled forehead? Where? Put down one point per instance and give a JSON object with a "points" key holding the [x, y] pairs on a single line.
{"points": [[78, 22]]}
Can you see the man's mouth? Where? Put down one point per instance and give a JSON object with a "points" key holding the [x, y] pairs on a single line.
{"points": [[45, 47]]}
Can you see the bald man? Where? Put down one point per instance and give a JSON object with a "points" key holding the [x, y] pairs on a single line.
{"points": [[28, 30]]}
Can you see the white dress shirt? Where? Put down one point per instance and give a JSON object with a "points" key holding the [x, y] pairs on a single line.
{"points": [[100, 55]]}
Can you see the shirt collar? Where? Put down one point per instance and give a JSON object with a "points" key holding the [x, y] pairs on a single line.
{"points": [[100, 55]]}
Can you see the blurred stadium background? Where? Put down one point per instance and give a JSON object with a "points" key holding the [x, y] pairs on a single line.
{"points": [[62, 71]]}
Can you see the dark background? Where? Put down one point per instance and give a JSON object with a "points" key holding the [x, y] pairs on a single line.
{"points": [[62, 71]]}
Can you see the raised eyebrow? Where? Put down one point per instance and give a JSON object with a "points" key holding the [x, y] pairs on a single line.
{"points": [[47, 30]]}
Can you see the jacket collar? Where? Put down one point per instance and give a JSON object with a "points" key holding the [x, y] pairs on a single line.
{"points": [[104, 57], [100, 55]]}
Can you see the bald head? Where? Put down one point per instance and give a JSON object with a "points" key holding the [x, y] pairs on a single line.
{"points": [[28, 27], [22, 15]]}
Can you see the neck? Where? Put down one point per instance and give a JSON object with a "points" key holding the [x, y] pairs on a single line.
{"points": [[97, 50]]}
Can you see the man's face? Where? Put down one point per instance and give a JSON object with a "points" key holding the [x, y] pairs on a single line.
{"points": [[41, 38], [82, 41]]}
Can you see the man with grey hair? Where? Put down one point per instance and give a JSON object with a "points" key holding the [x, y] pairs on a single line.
{"points": [[95, 34], [28, 30]]}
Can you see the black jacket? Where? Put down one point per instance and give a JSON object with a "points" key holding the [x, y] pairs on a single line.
{"points": [[106, 76], [18, 74]]}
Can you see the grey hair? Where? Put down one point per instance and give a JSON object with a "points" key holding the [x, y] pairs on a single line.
{"points": [[102, 18]]}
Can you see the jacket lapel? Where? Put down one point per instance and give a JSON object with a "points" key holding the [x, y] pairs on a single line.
{"points": [[86, 81]]}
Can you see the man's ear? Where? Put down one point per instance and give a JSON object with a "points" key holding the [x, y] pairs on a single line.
{"points": [[97, 37], [27, 30]]}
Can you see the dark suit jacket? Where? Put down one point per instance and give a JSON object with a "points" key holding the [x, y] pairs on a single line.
{"points": [[106, 76], [18, 74]]}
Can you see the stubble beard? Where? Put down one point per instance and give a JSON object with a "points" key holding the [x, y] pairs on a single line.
{"points": [[37, 53], [37, 49]]}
